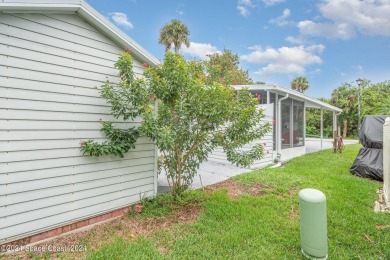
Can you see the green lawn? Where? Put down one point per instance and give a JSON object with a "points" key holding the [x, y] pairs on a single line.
{"points": [[257, 227], [267, 226]]}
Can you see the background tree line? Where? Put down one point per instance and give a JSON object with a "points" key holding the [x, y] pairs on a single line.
{"points": [[375, 100]]}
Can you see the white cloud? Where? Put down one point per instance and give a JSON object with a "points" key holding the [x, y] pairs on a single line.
{"points": [[243, 7], [346, 18], [272, 2], [295, 40], [316, 71], [281, 20], [359, 68], [243, 10], [284, 60], [200, 50], [327, 30], [121, 20], [245, 2]]}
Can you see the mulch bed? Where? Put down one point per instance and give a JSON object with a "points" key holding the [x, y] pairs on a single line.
{"points": [[236, 189], [123, 227]]}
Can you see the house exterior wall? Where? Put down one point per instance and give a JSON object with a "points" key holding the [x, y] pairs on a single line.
{"points": [[219, 156], [51, 69]]}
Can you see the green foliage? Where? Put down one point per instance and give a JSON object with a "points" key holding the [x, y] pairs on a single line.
{"points": [[186, 114], [174, 33], [300, 84], [224, 67], [313, 120], [374, 100], [121, 141]]}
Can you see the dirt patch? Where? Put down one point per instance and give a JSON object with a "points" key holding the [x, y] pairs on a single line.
{"points": [[124, 227], [236, 189]]}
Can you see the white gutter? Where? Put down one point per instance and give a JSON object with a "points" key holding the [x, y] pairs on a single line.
{"points": [[279, 129]]}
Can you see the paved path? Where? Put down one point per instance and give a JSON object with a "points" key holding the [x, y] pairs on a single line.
{"points": [[314, 144], [209, 173], [212, 172]]}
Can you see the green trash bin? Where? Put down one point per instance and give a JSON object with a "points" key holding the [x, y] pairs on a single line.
{"points": [[314, 234]]}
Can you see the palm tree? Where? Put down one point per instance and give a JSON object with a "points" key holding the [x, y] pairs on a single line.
{"points": [[174, 33], [345, 97], [300, 84]]}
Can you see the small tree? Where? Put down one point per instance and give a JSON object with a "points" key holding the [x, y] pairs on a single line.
{"points": [[186, 118]]}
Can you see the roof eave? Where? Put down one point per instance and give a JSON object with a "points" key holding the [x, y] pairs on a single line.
{"points": [[113, 32], [89, 14], [39, 7]]}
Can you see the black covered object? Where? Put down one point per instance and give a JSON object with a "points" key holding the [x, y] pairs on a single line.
{"points": [[371, 132], [369, 161], [368, 164]]}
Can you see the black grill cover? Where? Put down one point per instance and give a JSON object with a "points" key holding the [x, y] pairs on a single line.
{"points": [[368, 164], [371, 132], [369, 161]]}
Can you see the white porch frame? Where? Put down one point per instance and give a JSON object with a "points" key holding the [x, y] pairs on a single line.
{"points": [[309, 102]]}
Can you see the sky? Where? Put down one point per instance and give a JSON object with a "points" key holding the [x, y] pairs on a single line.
{"points": [[327, 41]]}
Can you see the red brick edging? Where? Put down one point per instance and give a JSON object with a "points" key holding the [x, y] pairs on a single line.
{"points": [[68, 228]]}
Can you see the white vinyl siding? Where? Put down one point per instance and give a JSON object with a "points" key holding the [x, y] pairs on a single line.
{"points": [[51, 70], [219, 156]]}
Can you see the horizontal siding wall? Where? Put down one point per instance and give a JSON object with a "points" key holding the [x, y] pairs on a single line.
{"points": [[51, 70], [267, 141]]}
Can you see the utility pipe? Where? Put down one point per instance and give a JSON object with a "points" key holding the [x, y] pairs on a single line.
{"points": [[279, 128]]}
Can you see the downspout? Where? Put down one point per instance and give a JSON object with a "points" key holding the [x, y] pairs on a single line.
{"points": [[279, 129]]}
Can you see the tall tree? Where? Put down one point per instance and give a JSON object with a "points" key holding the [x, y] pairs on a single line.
{"points": [[174, 33], [300, 84], [375, 100], [225, 67]]}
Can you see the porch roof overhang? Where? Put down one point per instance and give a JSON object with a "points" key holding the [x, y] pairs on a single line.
{"points": [[309, 101]]}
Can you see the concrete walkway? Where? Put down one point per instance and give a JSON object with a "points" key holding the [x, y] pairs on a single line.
{"points": [[314, 144], [208, 173], [211, 172]]}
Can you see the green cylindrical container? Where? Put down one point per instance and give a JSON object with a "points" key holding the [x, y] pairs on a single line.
{"points": [[314, 234]]}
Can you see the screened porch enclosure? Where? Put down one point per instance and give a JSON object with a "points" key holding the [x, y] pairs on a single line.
{"points": [[289, 117], [293, 123]]}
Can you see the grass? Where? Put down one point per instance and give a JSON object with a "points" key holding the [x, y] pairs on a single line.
{"points": [[267, 226]]}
